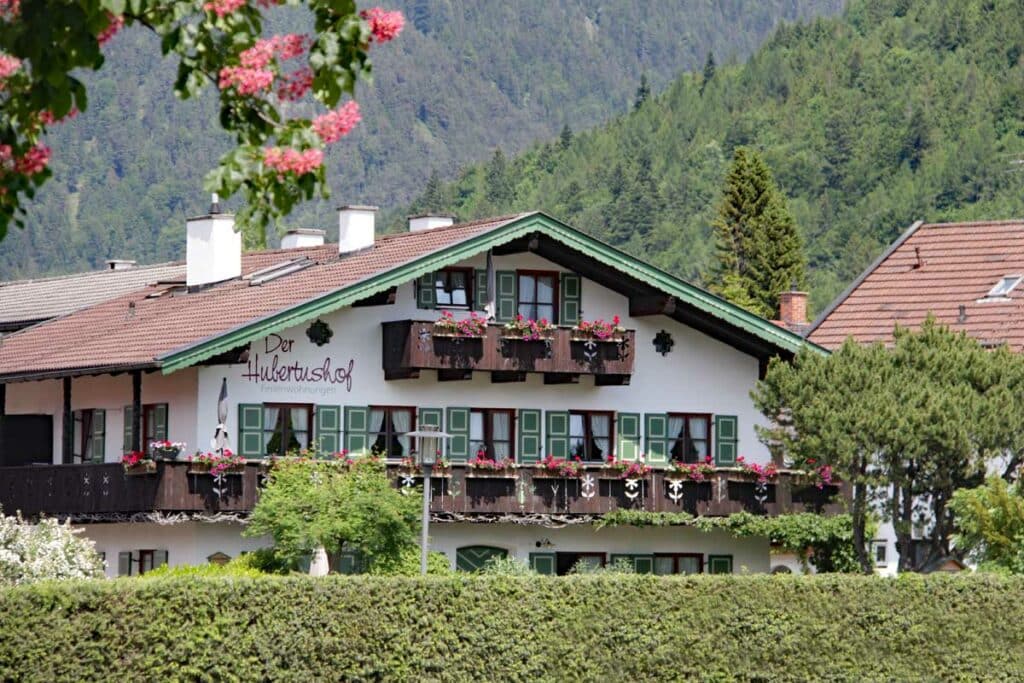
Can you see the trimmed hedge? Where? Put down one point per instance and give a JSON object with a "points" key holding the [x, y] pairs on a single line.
{"points": [[516, 628]]}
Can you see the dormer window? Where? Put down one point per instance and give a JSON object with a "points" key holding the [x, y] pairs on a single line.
{"points": [[1005, 285]]}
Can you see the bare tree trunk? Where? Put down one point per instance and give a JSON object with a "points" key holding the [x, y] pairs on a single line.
{"points": [[905, 530], [859, 516]]}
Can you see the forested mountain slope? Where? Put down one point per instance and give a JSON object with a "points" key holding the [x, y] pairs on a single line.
{"points": [[896, 111], [465, 77]]}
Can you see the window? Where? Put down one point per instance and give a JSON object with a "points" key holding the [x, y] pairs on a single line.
{"points": [[154, 423], [388, 426], [879, 551], [537, 295], [1004, 286], [134, 563], [566, 562], [691, 436], [590, 436], [89, 435], [719, 564], [678, 563], [490, 431], [286, 427], [453, 287], [473, 558]]}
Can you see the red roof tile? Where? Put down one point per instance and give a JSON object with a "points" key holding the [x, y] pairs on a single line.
{"points": [[937, 268], [136, 328]]}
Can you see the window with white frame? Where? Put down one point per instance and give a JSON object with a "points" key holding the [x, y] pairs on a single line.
{"points": [[490, 433]]}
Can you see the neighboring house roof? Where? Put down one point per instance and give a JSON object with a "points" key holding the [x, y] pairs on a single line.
{"points": [[25, 302], [943, 269], [166, 327]]}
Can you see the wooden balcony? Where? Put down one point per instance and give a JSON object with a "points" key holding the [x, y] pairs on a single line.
{"points": [[106, 493], [411, 346]]}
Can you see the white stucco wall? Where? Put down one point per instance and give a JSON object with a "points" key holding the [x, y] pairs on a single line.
{"points": [[111, 393], [700, 375]]}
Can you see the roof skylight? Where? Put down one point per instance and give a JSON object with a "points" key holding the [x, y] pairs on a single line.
{"points": [[1004, 286]]}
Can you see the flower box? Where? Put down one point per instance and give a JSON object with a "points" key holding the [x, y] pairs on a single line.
{"points": [[169, 454], [473, 327], [491, 474], [141, 468], [203, 468]]}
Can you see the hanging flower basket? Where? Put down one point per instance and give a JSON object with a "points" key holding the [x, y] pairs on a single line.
{"points": [[473, 327], [558, 468], [524, 329], [696, 472], [166, 450], [624, 469], [599, 331], [482, 467], [216, 464]]}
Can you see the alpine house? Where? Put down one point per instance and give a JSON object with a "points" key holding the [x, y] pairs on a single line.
{"points": [[540, 351]]}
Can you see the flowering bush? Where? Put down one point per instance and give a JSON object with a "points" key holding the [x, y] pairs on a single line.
{"points": [[217, 463], [818, 474], [279, 156], [529, 330], [598, 329], [693, 471], [763, 473], [45, 551], [135, 458], [482, 462], [473, 326], [561, 466], [627, 469]]}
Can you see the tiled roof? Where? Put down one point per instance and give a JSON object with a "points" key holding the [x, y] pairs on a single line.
{"points": [[134, 329], [27, 301], [945, 269]]}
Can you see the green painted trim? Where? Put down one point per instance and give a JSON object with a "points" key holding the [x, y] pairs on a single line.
{"points": [[454, 253]]}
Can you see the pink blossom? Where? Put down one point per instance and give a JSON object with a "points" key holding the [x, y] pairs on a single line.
{"points": [[47, 118], [10, 9], [259, 55], [33, 161], [291, 45], [384, 25], [336, 124], [295, 85], [245, 81], [8, 66], [115, 25], [223, 8], [288, 159]]}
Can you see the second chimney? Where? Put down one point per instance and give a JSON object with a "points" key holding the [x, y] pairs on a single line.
{"points": [[429, 221], [213, 251], [297, 238], [355, 228], [793, 308]]}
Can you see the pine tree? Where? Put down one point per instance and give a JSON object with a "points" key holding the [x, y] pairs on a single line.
{"points": [[497, 183], [758, 250], [565, 137], [709, 72], [642, 93], [435, 196]]}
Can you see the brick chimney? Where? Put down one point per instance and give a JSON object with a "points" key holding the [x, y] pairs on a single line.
{"points": [[793, 309]]}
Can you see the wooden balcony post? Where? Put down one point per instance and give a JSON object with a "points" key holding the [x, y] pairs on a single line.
{"points": [[3, 411], [67, 425], [136, 410]]}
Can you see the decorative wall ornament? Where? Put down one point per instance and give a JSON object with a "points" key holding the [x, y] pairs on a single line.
{"points": [[319, 332], [761, 493], [663, 343], [407, 481], [675, 490], [589, 486], [633, 489], [521, 492]]}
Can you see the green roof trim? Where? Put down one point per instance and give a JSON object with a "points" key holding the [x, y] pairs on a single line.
{"points": [[459, 251]]}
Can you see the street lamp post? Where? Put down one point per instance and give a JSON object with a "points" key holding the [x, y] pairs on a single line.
{"points": [[428, 441]]}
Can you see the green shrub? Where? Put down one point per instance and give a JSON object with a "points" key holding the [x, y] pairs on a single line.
{"points": [[408, 564], [506, 566], [201, 570], [472, 627]]}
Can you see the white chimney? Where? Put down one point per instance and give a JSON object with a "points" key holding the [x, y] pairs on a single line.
{"points": [[298, 238], [120, 264], [213, 252], [355, 228], [429, 221]]}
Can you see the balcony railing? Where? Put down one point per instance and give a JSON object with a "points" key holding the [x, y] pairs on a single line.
{"points": [[97, 492], [411, 346]]}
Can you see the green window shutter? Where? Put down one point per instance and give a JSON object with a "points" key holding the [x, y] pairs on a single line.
{"points": [[557, 433], [725, 440], [473, 558], [328, 429], [99, 434], [160, 428], [425, 293], [656, 437], [126, 443], [719, 564], [543, 563], [642, 564], [124, 563], [458, 434], [627, 428], [357, 420], [159, 558], [528, 440], [570, 299], [250, 430], [348, 562], [505, 301], [480, 289], [431, 417]]}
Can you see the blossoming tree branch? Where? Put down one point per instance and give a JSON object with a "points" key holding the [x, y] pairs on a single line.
{"points": [[278, 159]]}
